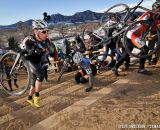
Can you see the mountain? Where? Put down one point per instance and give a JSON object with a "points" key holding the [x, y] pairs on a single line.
{"points": [[57, 18], [77, 17], [87, 15], [12, 26]]}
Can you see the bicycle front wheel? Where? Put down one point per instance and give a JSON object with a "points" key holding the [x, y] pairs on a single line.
{"points": [[114, 15], [145, 31], [16, 82]]}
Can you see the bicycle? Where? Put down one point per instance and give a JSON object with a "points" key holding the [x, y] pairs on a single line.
{"points": [[152, 39], [17, 66], [67, 63], [122, 18], [92, 36]]}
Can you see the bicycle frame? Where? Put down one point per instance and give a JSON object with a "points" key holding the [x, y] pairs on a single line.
{"points": [[132, 10]]}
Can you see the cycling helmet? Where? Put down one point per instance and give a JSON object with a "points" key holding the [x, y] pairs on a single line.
{"points": [[39, 24], [77, 58], [156, 5]]}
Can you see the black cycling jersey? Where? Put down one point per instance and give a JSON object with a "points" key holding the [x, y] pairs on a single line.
{"points": [[80, 44], [35, 48], [37, 57]]}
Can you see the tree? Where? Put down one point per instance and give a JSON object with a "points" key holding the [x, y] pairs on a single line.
{"points": [[12, 43]]}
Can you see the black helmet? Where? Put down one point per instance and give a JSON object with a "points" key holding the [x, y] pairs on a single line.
{"points": [[156, 5]]}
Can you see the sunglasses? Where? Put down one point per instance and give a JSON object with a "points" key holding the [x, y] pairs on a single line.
{"points": [[44, 31]]}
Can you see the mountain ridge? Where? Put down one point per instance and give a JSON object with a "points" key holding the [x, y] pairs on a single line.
{"points": [[56, 18]]}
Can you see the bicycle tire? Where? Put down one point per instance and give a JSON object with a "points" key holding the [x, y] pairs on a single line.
{"points": [[24, 67], [130, 28], [108, 13]]}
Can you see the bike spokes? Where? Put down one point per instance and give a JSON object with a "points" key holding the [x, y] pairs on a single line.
{"points": [[17, 81]]}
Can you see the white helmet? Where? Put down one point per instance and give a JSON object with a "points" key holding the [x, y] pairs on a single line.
{"points": [[39, 24], [77, 58]]}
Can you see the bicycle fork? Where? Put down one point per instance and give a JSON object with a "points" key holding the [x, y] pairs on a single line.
{"points": [[15, 63]]}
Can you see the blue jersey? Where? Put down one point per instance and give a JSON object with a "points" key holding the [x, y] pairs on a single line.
{"points": [[85, 63], [60, 54]]}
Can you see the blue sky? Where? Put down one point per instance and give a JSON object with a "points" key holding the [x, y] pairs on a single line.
{"points": [[12, 11]]}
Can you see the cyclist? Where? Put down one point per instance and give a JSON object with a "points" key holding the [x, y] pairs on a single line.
{"points": [[134, 35], [80, 44], [37, 58], [124, 58], [87, 71], [101, 49], [111, 44]]}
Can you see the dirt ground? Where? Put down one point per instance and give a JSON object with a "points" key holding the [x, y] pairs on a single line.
{"points": [[133, 103]]}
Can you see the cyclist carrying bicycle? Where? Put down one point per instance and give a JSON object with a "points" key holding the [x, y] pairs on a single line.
{"points": [[37, 58], [86, 72], [134, 35]]}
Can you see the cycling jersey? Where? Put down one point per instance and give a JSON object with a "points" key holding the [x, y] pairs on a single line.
{"points": [[86, 73], [80, 44], [60, 54], [136, 32], [85, 63], [35, 48], [37, 56]]}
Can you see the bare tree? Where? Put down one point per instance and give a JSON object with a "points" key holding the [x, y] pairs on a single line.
{"points": [[12, 43]]}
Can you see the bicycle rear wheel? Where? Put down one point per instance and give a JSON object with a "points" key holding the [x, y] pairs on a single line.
{"points": [[150, 35], [116, 13], [18, 81]]}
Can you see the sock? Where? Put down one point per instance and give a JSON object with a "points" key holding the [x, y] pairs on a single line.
{"points": [[29, 97], [37, 94]]}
